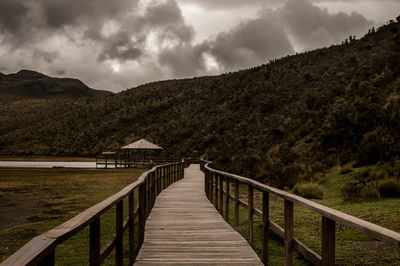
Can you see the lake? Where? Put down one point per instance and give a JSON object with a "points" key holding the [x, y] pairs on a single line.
{"points": [[36, 164]]}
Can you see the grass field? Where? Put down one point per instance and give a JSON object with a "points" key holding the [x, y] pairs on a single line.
{"points": [[352, 247], [33, 201], [36, 200]]}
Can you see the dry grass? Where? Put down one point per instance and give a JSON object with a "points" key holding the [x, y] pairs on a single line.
{"points": [[36, 200]]}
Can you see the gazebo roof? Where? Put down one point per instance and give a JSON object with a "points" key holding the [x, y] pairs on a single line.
{"points": [[141, 144]]}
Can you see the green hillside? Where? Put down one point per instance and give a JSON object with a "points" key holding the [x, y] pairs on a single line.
{"points": [[27, 84], [279, 122]]}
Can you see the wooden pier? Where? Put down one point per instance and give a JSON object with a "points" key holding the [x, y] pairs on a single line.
{"points": [[185, 228]]}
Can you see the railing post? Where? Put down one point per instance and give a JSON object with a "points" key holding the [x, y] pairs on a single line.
{"points": [[227, 182], [94, 249], [142, 207], [132, 254], [221, 195], [216, 191], [206, 183], [119, 220], [153, 189], [148, 206], [328, 241], [250, 213], [164, 178], [168, 175], [183, 170], [265, 226], [175, 173], [236, 204], [49, 260], [210, 185], [157, 179], [288, 233]]}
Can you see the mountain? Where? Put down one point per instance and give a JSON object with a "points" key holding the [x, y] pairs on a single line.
{"points": [[30, 84], [282, 122]]}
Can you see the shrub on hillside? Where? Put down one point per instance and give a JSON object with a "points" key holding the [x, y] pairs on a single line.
{"points": [[355, 190], [352, 190], [309, 190], [389, 188]]}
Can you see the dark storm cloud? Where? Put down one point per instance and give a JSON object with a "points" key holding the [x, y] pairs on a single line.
{"points": [[66, 12], [228, 4], [128, 42], [121, 47], [183, 60], [11, 13], [315, 27], [64, 37], [251, 42]]}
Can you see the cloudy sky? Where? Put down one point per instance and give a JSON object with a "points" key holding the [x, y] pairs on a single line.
{"points": [[118, 44]]}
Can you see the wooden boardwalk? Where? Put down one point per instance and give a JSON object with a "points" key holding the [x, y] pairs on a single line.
{"points": [[184, 228]]}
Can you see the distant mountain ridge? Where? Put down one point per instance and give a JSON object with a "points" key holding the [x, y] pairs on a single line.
{"points": [[27, 84]]}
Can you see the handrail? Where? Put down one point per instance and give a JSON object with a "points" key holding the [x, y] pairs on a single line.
{"points": [[215, 192], [41, 249]]}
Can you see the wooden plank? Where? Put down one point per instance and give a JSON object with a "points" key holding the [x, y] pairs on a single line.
{"points": [[32, 252]]}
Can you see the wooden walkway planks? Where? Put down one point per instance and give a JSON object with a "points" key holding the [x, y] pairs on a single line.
{"points": [[184, 228]]}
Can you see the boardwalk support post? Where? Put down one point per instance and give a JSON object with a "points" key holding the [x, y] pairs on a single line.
{"points": [[132, 252], [94, 248], [228, 184], [236, 204], [119, 220], [288, 233], [265, 226], [328, 241], [250, 214], [221, 194]]}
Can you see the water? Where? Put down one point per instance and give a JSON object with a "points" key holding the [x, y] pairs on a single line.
{"points": [[35, 164]]}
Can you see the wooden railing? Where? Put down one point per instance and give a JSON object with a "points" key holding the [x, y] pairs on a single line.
{"points": [[41, 249], [214, 189], [137, 162]]}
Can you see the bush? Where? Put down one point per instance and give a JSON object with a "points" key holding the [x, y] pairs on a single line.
{"points": [[389, 188], [355, 190], [309, 190], [352, 190]]}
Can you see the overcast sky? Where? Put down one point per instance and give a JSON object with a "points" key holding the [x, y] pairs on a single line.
{"points": [[117, 44]]}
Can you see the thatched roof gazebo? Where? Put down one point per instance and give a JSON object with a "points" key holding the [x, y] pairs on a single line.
{"points": [[141, 154], [141, 144]]}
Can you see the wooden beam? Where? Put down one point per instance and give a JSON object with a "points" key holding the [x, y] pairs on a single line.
{"points": [[250, 214], [328, 242], [288, 233], [265, 226], [94, 249], [236, 204], [119, 219]]}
